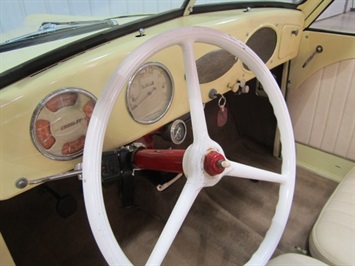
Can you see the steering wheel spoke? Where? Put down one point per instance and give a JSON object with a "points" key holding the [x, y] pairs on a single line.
{"points": [[250, 172], [174, 223], [199, 126]]}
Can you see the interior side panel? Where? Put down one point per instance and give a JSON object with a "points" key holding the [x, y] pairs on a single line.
{"points": [[321, 94], [322, 109]]}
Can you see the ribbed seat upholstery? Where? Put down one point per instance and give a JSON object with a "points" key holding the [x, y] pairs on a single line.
{"points": [[332, 239]]}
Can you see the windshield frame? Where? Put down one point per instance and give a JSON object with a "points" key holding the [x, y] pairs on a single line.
{"points": [[223, 6], [52, 57]]}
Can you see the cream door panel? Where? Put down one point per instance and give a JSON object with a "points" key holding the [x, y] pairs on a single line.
{"points": [[322, 109], [336, 48]]}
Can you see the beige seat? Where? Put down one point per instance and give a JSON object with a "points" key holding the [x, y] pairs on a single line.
{"points": [[332, 239], [294, 259]]}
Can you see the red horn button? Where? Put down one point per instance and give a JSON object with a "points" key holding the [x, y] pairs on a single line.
{"points": [[214, 163]]}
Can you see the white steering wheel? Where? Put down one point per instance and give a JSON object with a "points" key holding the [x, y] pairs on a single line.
{"points": [[197, 154]]}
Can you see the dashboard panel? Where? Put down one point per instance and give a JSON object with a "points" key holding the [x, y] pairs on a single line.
{"points": [[92, 69]]}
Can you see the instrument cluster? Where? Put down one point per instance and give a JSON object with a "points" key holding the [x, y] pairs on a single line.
{"points": [[60, 121]]}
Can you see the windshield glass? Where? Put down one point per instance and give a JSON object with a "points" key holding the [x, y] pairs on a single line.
{"points": [[31, 28], [23, 17], [14, 13]]}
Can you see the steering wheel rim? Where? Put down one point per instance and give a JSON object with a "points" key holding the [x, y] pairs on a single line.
{"points": [[186, 37]]}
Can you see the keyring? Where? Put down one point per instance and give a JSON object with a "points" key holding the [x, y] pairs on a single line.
{"points": [[222, 101]]}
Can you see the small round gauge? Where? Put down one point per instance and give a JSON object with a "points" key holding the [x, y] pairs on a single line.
{"points": [[149, 93], [178, 131], [60, 121]]}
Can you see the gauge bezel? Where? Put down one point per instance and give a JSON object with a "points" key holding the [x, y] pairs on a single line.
{"points": [[37, 112], [131, 79], [172, 131]]}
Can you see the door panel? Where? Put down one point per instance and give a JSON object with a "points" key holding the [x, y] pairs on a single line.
{"points": [[322, 109], [336, 48], [321, 94]]}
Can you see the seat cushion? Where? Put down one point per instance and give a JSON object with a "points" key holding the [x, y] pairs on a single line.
{"points": [[332, 239], [294, 259]]}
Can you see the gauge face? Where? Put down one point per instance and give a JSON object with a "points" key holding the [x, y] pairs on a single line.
{"points": [[60, 121], [178, 131], [149, 93]]}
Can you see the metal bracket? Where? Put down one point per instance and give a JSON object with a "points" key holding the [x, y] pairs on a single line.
{"points": [[24, 182]]}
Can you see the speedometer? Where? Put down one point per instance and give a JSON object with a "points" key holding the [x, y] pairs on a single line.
{"points": [[149, 93]]}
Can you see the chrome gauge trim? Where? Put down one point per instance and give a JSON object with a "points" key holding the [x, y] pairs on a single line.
{"points": [[163, 103], [178, 131], [51, 112]]}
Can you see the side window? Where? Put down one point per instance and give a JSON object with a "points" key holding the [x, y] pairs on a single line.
{"points": [[338, 17]]}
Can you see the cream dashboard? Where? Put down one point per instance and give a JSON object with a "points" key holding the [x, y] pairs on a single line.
{"points": [[44, 117]]}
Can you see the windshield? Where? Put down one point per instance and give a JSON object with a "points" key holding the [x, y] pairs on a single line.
{"points": [[22, 17], [70, 17], [29, 28]]}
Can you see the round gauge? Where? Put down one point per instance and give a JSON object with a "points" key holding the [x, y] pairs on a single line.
{"points": [[149, 93], [60, 121], [178, 131]]}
